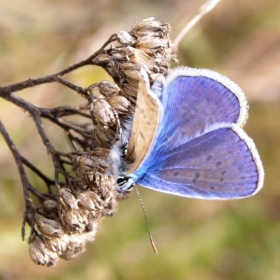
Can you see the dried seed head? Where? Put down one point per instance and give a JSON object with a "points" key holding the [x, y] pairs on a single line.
{"points": [[150, 48], [150, 27], [67, 199], [74, 220], [108, 89], [102, 112], [131, 70], [73, 251], [106, 124], [140, 58], [76, 246], [90, 201], [50, 205], [40, 254], [103, 183], [87, 164], [105, 136], [125, 38], [57, 244], [148, 42], [120, 104], [49, 227]]}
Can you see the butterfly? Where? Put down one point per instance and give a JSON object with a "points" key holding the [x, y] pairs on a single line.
{"points": [[187, 138]]}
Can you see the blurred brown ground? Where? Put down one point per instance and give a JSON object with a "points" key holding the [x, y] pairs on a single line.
{"points": [[196, 239]]}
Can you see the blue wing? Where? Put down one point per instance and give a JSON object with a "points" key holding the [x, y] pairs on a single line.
{"points": [[191, 103], [200, 150], [192, 100], [221, 163]]}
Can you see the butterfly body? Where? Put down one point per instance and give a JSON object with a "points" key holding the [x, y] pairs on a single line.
{"points": [[196, 147]]}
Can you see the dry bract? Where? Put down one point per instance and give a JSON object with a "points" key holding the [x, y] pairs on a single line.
{"points": [[49, 227], [108, 89], [40, 254]]}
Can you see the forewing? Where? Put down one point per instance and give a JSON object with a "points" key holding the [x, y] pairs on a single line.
{"points": [[194, 99], [221, 163], [147, 117]]}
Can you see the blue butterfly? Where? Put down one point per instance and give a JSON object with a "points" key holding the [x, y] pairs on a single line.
{"points": [[187, 138]]}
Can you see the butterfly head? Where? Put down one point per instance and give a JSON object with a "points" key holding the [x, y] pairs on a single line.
{"points": [[124, 186]]}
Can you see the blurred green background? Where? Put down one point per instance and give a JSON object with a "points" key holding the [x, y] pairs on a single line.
{"points": [[196, 239]]}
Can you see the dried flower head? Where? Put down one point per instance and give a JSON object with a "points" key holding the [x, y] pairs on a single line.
{"points": [[146, 45], [108, 89], [40, 253], [49, 227], [69, 217]]}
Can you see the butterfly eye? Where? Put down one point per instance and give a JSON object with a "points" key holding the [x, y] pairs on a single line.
{"points": [[125, 185]]}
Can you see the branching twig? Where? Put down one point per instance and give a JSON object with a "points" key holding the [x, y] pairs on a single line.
{"points": [[63, 111], [78, 89], [47, 181], [22, 173], [7, 90], [18, 160]]}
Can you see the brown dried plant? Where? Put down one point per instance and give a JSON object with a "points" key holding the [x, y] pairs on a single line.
{"points": [[84, 186]]}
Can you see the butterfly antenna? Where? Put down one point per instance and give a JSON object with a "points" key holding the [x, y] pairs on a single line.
{"points": [[205, 8], [146, 220]]}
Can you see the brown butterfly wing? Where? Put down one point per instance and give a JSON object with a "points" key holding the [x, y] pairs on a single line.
{"points": [[147, 117]]}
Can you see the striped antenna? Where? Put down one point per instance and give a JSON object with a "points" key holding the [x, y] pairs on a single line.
{"points": [[146, 220]]}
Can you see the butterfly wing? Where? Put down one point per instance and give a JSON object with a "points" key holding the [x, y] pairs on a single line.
{"points": [[221, 163], [196, 98], [200, 137], [193, 99], [147, 117]]}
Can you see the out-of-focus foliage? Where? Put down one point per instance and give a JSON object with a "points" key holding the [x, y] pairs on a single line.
{"points": [[196, 239]]}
